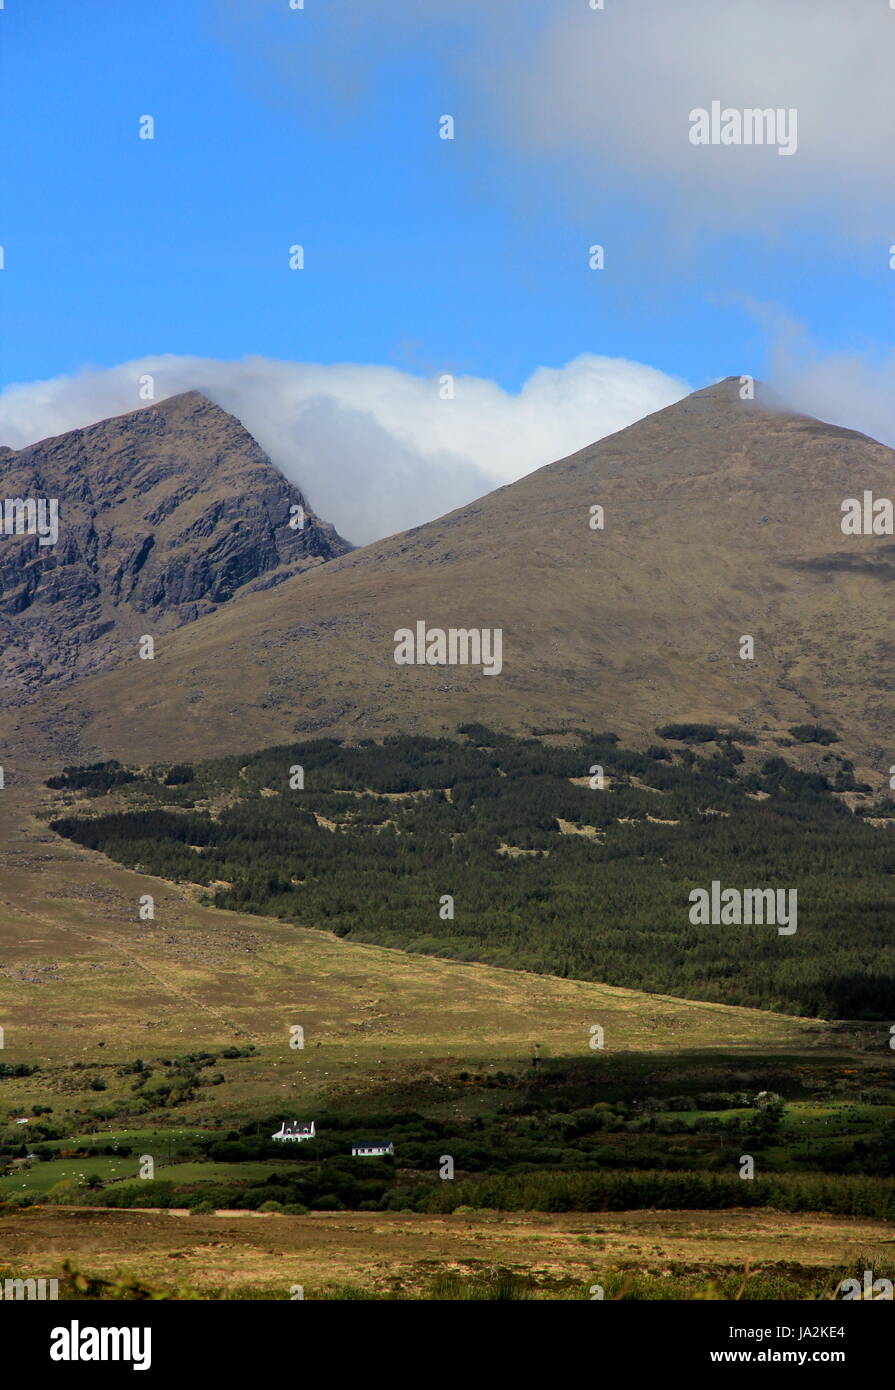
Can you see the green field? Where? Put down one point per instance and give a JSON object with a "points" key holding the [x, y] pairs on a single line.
{"points": [[172, 1038], [499, 849]]}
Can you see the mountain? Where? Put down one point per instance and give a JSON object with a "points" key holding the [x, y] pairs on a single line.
{"points": [[164, 515], [721, 520]]}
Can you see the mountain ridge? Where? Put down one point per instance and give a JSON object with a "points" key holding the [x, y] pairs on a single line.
{"points": [[722, 519], [165, 513]]}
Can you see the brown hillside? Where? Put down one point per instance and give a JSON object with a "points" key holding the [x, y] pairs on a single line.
{"points": [[722, 518]]}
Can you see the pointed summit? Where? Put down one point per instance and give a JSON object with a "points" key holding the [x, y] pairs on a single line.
{"points": [[734, 391], [622, 580], [164, 514]]}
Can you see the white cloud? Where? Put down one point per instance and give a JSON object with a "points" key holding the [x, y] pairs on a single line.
{"points": [[374, 449], [844, 388], [616, 88], [607, 93]]}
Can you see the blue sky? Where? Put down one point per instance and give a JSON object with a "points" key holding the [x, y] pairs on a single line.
{"points": [[422, 253], [320, 126]]}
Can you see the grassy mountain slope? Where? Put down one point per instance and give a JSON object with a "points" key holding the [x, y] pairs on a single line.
{"points": [[722, 518]]}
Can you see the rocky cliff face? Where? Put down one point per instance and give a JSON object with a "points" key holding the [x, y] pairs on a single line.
{"points": [[163, 515]]}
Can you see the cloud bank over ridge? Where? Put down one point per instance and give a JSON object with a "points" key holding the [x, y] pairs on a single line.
{"points": [[375, 449]]}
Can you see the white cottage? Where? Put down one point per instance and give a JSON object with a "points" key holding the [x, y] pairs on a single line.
{"points": [[372, 1148], [295, 1131]]}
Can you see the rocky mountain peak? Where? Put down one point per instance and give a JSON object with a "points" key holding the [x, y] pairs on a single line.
{"points": [[162, 515]]}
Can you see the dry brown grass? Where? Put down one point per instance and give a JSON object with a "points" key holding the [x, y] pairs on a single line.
{"points": [[376, 1250]]}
